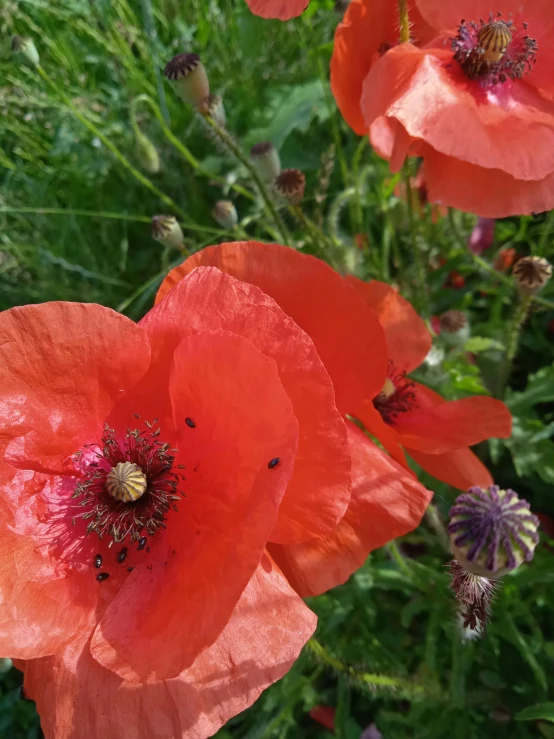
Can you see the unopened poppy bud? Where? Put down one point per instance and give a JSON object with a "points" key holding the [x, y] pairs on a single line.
{"points": [[188, 76], [25, 49], [482, 236], [531, 274], [290, 184], [147, 153], [225, 214], [492, 531], [167, 231], [454, 327], [265, 158], [213, 106]]}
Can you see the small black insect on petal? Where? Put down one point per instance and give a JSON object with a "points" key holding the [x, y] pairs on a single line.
{"points": [[102, 576], [141, 544], [130, 569], [122, 554], [98, 561], [273, 463], [190, 423]]}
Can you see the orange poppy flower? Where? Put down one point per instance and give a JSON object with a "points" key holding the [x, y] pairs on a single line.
{"points": [[476, 103], [362, 363], [146, 470], [282, 9]]}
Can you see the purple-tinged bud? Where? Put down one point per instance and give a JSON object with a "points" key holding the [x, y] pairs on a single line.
{"points": [[492, 531], [167, 231], [188, 76], [531, 274], [265, 158], [482, 236], [454, 327], [225, 214], [290, 184], [26, 50]]}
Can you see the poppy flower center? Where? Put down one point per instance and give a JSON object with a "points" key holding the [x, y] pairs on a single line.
{"points": [[396, 397], [129, 485], [495, 51]]}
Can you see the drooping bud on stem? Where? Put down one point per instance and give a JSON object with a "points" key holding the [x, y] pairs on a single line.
{"points": [[265, 158], [26, 50], [531, 274], [454, 327], [225, 214], [147, 153], [167, 231], [189, 78], [290, 184]]}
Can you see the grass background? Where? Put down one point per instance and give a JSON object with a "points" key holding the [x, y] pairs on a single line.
{"points": [[75, 225]]}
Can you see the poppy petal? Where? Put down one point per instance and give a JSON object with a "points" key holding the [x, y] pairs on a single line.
{"points": [[282, 9], [386, 502], [77, 698], [438, 426], [347, 335], [62, 368], [445, 15], [192, 581], [489, 193], [430, 97], [319, 490], [407, 335], [460, 468], [366, 31]]}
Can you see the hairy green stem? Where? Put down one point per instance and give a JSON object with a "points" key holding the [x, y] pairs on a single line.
{"points": [[404, 21], [520, 316], [421, 284]]}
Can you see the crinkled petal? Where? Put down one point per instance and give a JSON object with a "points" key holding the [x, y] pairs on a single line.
{"points": [[175, 604], [385, 434], [489, 193], [347, 335], [460, 468], [319, 490], [386, 502], [429, 94], [438, 426], [368, 28], [282, 9], [77, 698], [408, 338], [62, 368]]}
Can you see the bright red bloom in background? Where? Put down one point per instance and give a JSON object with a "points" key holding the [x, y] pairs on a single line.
{"points": [[363, 351], [223, 405], [477, 102], [282, 9]]}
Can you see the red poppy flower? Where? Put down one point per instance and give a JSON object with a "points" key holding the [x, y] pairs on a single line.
{"points": [[434, 432], [146, 469], [477, 103], [282, 9]]}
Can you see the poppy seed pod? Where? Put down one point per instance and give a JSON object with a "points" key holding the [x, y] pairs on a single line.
{"points": [[492, 531], [188, 76], [167, 231], [212, 105], [265, 158], [225, 214], [290, 184], [147, 153], [531, 274], [454, 327], [25, 49]]}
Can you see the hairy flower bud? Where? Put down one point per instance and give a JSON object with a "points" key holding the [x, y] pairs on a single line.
{"points": [[492, 531], [454, 327], [531, 274], [167, 231], [147, 153], [225, 214], [290, 184], [26, 50], [265, 158], [188, 76], [213, 106]]}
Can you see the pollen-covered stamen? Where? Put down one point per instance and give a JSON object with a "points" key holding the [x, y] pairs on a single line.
{"points": [[396, 397], [495, 51], [130, 485]]}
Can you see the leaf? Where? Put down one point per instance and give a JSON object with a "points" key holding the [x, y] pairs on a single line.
{"points": [[540, 389], [477, 344], [544, 711]]}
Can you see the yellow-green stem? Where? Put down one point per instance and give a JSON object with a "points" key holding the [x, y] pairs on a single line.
{"points": [[404, 21]]}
